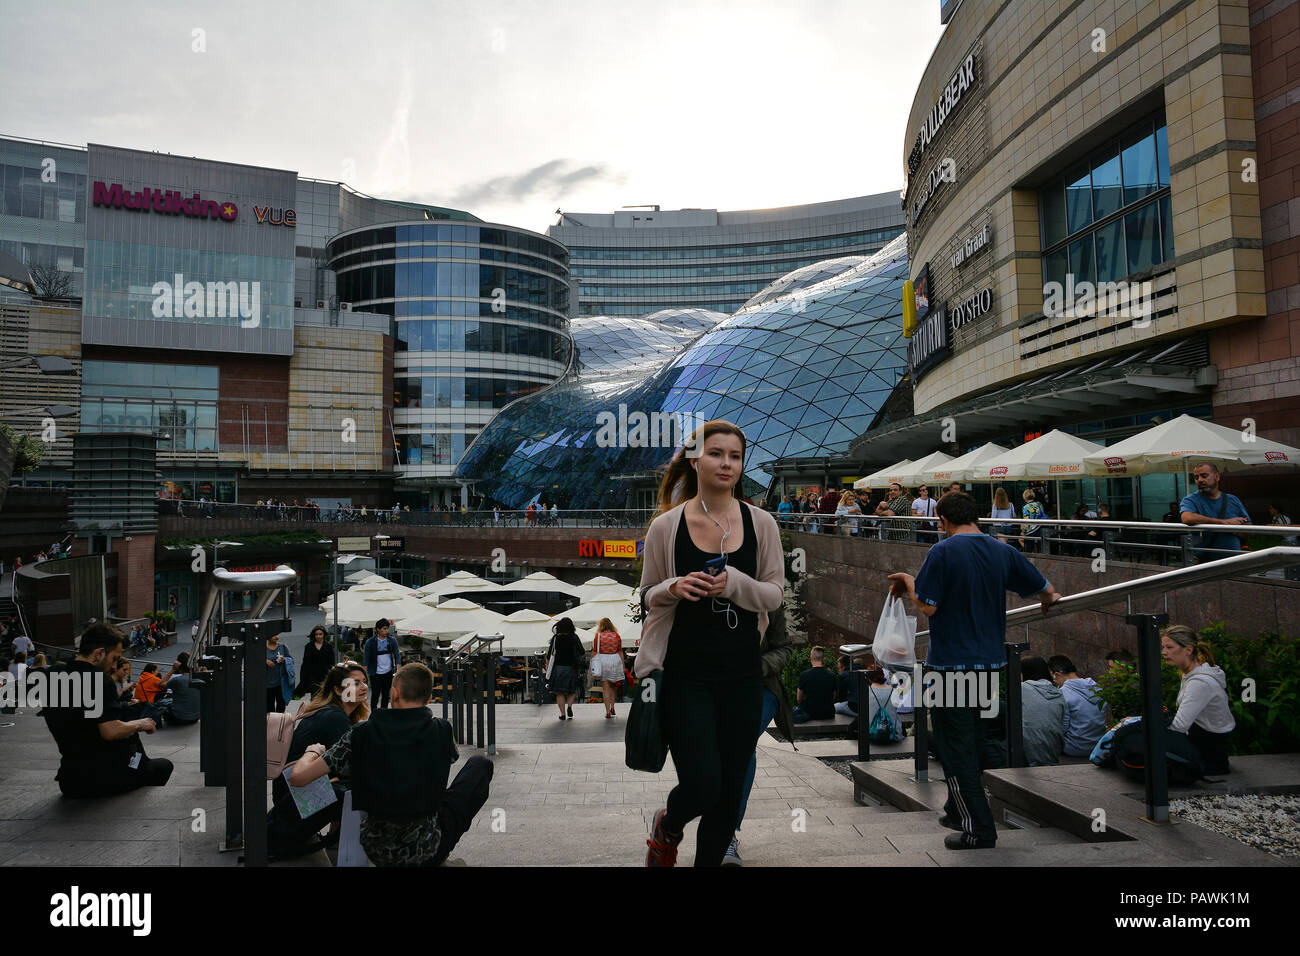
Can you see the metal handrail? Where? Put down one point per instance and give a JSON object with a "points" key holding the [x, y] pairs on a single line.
{"points": [[1159, 583], [1090, 523]]}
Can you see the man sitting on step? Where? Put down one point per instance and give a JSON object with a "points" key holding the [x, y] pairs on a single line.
{"points": [[399, 761]]}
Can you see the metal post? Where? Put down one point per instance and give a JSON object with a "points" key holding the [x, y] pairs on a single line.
{"points": [[1015, 706], [920, 732], [492, 705], [1153, 725], [211, 723], [864, 742], [480, 691], [254, 635], [232, 751]]}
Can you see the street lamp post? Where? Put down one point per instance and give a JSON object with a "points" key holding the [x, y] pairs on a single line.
{"points": [[334, 564]]}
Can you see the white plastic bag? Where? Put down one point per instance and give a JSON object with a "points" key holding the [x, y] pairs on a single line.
{"points": [[895, 643]]}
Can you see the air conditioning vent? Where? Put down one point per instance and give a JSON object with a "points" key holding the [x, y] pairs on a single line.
{"points": [[321, 304], [345, 306]]}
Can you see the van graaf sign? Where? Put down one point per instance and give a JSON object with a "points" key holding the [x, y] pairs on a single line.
{"points": [[168, 202], [929, 342], [971, 247]]}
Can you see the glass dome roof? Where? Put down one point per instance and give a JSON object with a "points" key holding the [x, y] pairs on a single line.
{"points": [[801, 374]]}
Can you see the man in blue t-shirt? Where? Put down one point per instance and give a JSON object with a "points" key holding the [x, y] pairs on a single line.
{"points": [[1209, 505], [962, 589]]}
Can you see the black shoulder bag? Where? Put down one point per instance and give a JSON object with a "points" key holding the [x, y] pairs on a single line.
{"points": [[644, 739]]}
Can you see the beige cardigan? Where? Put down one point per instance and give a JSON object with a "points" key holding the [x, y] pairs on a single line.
{"points": [[658, 574]]}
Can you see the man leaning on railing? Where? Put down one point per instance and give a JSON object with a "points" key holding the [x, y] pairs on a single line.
{"points": [[1209, 505]]}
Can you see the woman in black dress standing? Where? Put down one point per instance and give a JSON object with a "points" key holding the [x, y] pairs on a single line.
{"points": [[564, 656]]}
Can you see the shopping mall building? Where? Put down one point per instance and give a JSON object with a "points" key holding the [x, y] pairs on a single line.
{"points": [[643, 259], [1102, 231], [281, 336]]}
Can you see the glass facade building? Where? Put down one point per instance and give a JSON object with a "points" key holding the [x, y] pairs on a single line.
{"points": [[637, 261], [802, 372], [480, 318], [43, 208]]}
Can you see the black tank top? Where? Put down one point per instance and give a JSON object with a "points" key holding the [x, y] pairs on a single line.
{"points": [[702, 643]]}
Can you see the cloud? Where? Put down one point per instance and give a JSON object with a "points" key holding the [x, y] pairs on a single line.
{"points": [[551, 180]]}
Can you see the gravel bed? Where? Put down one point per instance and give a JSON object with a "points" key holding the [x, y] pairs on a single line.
{"points": [[1268, 822], [839, 766]]}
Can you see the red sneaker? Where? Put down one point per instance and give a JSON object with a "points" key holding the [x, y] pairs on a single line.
{"points": [[663, 848]]}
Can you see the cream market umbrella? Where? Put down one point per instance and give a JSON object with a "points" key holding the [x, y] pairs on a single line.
{"points": [[357, 611], [1174, 446], [450, 619], [611, 605], [883, 477], [1052, 455], [451, 582], [382, 586], [601, 585], [918, 471], [540, 581], [526, 633], [469, 590], [358, 577], [959, 468]]}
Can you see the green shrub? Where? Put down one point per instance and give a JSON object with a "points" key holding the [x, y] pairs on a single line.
{"points": [[1268, 663]]}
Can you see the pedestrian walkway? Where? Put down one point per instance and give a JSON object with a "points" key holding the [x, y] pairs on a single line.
{"points": [[561, 796]]}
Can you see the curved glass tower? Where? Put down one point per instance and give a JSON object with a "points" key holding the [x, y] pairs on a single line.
{"points": [[480, 319], [802, 372]]}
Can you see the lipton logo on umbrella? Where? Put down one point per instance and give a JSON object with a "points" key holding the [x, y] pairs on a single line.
{"points": [[998, 471], [1275, 456], [1116, 464]]}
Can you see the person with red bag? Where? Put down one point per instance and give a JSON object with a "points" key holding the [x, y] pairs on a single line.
{"points": [[607, 654]]}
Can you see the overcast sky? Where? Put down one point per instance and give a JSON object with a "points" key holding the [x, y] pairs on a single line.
{"points": [[507, 108]]}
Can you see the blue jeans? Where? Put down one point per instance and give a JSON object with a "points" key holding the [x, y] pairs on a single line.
{"points": [[770, 707]]}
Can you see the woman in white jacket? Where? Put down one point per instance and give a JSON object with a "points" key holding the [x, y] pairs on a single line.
{"points": [[1203, 710]]}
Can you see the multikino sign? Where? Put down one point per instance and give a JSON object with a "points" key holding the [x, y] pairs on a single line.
{"points": [[169, 202]]}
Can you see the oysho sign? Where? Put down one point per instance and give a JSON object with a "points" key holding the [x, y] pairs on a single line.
{"points": [[168, 202], [972, 308]]}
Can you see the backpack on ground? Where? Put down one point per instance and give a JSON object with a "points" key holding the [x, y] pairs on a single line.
{"points": [[1183, 762]]}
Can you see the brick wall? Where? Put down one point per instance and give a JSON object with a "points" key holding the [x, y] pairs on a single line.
{"points": [[1259, 370], [253, 389], [135, 573]]}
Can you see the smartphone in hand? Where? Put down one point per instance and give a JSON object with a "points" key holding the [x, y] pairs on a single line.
{"points": [[715, 566]]}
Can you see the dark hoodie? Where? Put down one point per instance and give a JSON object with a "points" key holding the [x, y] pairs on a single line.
{"points": [[401, 758]]}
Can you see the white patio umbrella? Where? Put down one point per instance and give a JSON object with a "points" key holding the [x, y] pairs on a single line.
{"points": [[470, 590], [540, 581], [958, 468], [600, 585], [610, 604], [382, 586], [884, 476], [1174, 446], [918, 471], [358, 577], [450, 619], [450, 581], [355, 611], [1052, 455], [526, 633]]}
